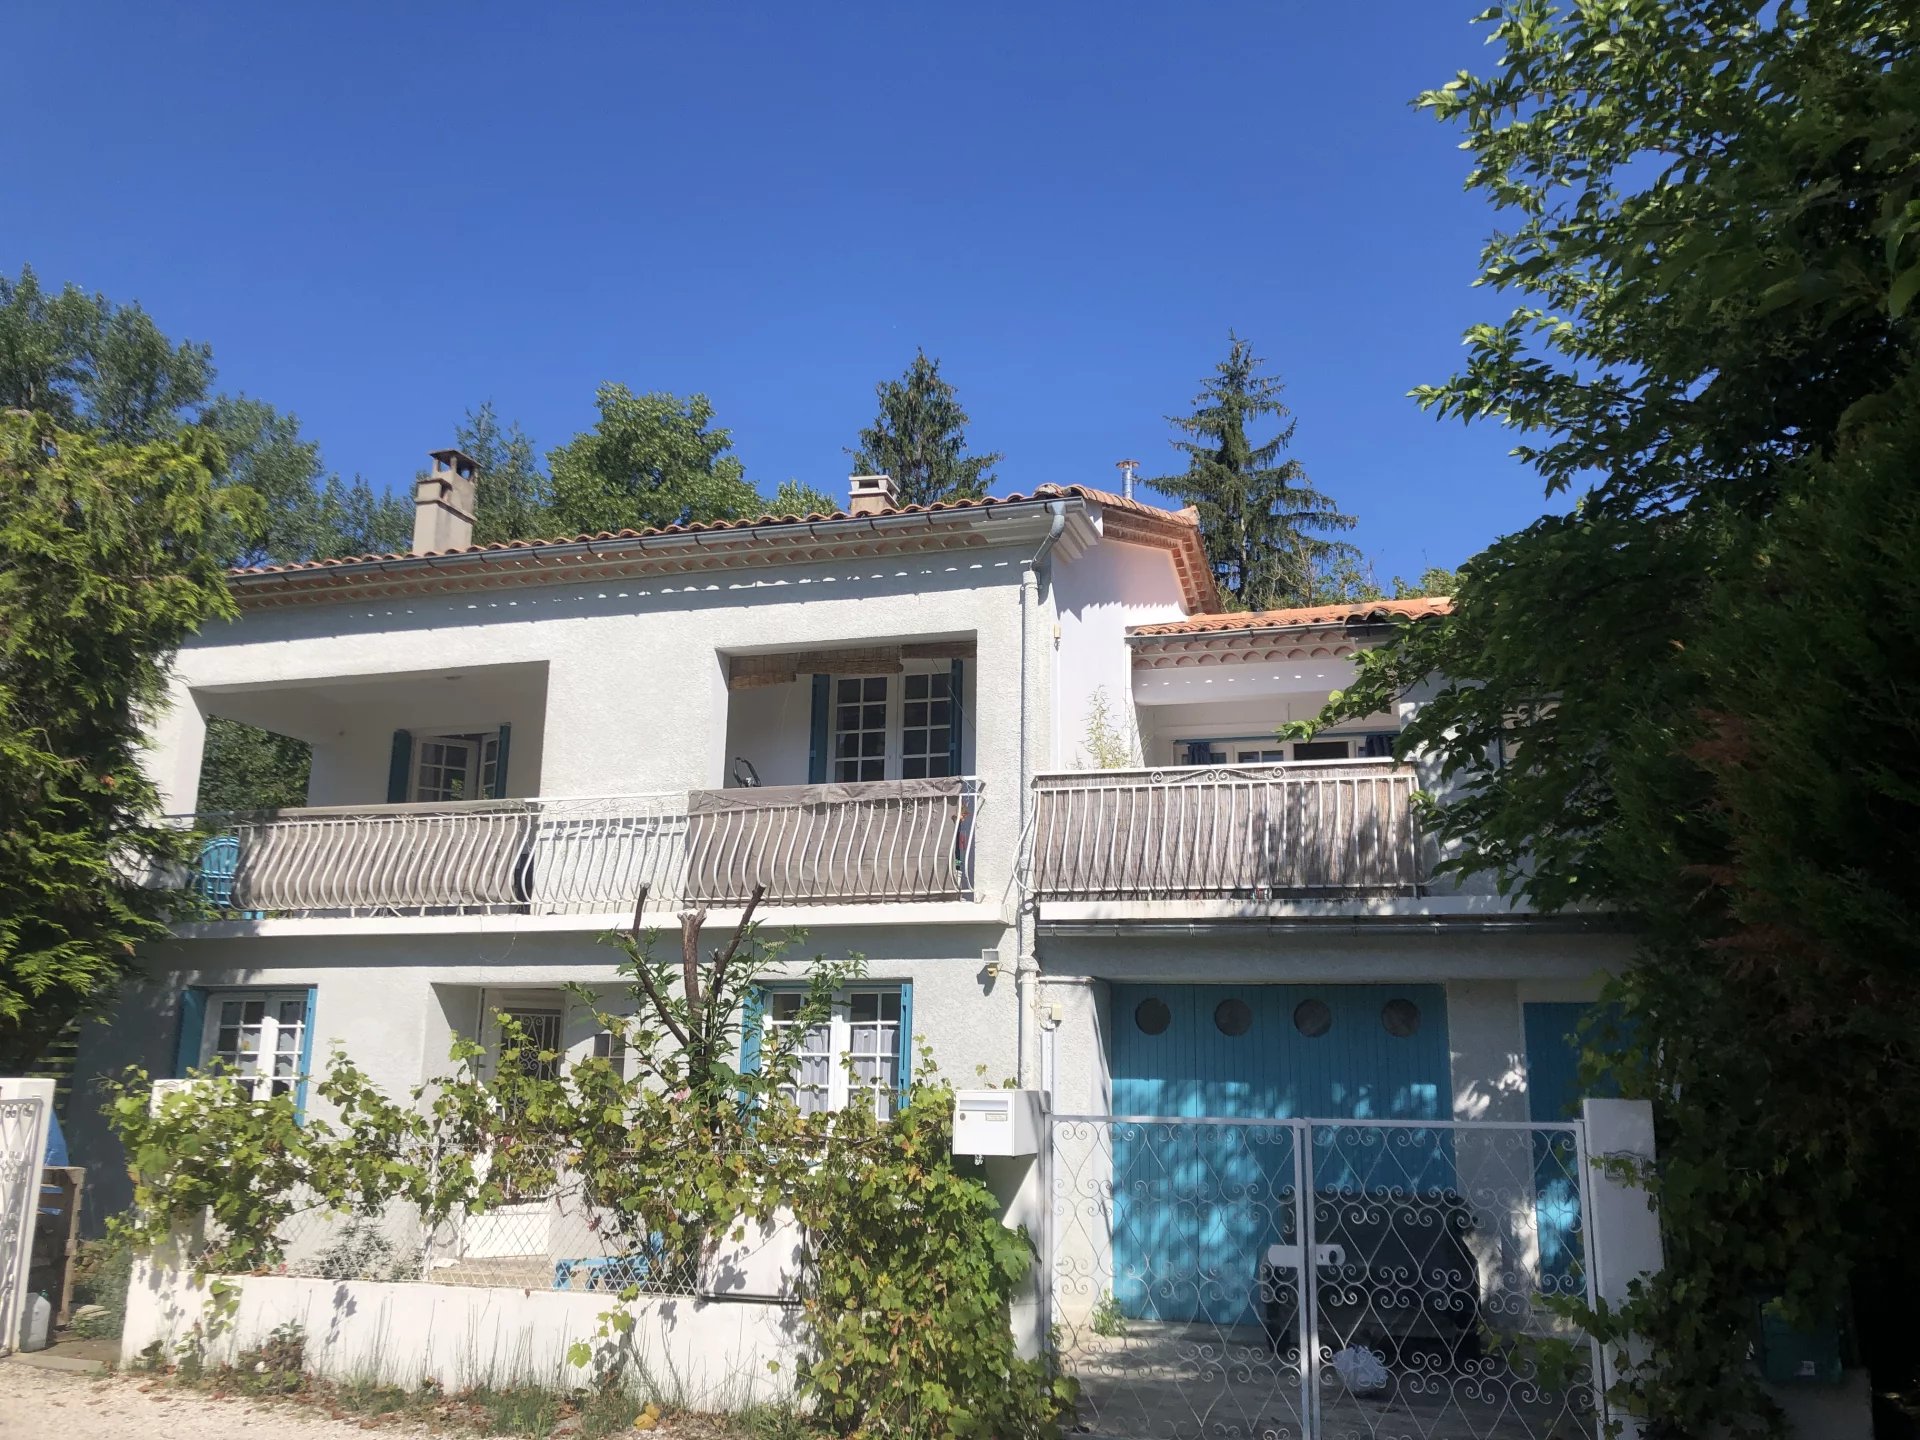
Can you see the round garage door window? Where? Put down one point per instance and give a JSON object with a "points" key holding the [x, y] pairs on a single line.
{"points": [[1152, 1016], [1400, 1017], [1312, 1018], [1233, 1017]]}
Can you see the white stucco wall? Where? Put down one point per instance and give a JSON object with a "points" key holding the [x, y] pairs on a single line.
{"points": [[1096, 596], [717, 1355]]}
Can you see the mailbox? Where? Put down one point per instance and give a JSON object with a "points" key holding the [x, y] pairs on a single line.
{"points": [[997, 1122]]}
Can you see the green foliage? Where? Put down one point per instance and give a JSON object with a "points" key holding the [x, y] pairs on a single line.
{"points": [[1692, 698], [920, 439], [1108, 1320], [514, 500], [90, 363], [1435, 581], [649, 460], [797, 498], [1262, 522], [1112, 742], [246, 768], [102, 1273], [912, 1279], [110, 556]]}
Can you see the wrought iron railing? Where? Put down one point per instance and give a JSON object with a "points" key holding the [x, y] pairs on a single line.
{"points": [[813, 844], [1305, 828]]}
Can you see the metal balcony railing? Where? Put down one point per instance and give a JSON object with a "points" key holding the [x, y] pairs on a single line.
{"points": [[1304, 828], [909, 840]]}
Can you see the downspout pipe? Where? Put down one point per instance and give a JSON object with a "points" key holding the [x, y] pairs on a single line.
{"points": [[1026, 973]]}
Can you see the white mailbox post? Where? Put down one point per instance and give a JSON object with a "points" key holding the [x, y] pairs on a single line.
{"points": [[997, 1122]]}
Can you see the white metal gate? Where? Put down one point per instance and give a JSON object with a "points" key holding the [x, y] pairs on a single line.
{"points": [[22, 1154], [1320, 1279]]}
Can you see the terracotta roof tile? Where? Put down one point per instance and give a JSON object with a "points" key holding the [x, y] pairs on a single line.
{"points": [[1361, 613], [1041, 492]]}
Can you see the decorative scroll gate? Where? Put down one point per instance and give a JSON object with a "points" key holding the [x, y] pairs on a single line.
{"points": [[1320, 1279]]}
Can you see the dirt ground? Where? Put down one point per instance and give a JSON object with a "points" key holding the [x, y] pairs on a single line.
{"points": [[65, 1406]]}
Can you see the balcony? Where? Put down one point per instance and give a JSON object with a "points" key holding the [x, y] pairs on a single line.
{"points": [[1315, 829], [883, 841]]}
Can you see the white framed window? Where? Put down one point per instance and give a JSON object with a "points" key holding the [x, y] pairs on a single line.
{"points": [[926, 724], [852, 1057], [860, 724], [258, 1036], [451, 767], [892, 727]]}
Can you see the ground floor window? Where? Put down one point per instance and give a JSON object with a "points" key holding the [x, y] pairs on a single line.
{"points": [[859, 1055], [258, 1036]]}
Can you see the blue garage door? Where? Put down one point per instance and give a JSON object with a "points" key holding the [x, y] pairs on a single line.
{"points": [[1554, 1094], [1196, 1206]]}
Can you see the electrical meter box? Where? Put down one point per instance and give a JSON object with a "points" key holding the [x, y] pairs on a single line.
{"points": [[997, 1122]]}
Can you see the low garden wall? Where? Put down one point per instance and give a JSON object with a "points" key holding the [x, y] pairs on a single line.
{"points": [[705, 1354]]}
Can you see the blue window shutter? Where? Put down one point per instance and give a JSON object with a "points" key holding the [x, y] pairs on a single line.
{"points": [[905, 1074], [306, 1054], [400, 769], [752, 1018], [822, 738], [956, 688], [193, 1026], [1378, 746], [500, 764]]}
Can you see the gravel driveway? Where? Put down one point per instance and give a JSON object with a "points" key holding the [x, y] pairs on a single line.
{"points": [[52, 1403]]}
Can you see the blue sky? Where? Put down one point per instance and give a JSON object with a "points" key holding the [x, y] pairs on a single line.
{"points": [[381, 215]]}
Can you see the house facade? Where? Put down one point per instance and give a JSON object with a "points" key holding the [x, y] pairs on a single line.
{"points": [[1009, 751]]}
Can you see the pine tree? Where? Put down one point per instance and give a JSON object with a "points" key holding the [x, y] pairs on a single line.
{"points": [[1263, 523], [515, 499], [920, 439]]}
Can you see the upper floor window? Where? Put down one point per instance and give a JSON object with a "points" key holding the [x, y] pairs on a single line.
{"points": [[1257, 751], [451, 767], [892, 727]]}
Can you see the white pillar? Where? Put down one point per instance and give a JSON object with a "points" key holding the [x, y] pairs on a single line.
{"points": [[1622, 1225], [24, 1136]]}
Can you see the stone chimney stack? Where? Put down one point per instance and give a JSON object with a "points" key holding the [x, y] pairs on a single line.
{"points": [[443, 502], [870, 494]]}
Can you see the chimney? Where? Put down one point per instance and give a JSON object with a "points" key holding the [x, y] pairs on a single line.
{"points": [[443, 503], [1127, 469], [870, 494]]}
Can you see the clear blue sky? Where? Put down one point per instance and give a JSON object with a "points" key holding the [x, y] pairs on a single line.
{"points": [[381, 215]]}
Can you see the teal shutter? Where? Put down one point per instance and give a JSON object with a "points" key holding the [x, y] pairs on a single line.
{"points": [[306, 1053], [904, 1075], [817, 754], [500, 764], [400, 767], [752, 1020], [193, 1026], [956, 688]]}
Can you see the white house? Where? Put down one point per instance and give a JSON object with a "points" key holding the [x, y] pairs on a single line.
{"points": [[890, 716]]}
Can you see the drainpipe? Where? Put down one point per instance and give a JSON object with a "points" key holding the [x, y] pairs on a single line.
{"points": [[1026, 974]]}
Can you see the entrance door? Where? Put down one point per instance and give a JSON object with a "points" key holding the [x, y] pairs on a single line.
{"points": [[1196, 1207]]}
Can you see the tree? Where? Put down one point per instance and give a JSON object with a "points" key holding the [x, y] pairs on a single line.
{"points": [[920, 439], [1261, 521], [796, 498], [306, 513], [649, 460], [1434, 581], [515, 499], [84, 360], [111, 554], [1699, 682], [246, 768]]}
